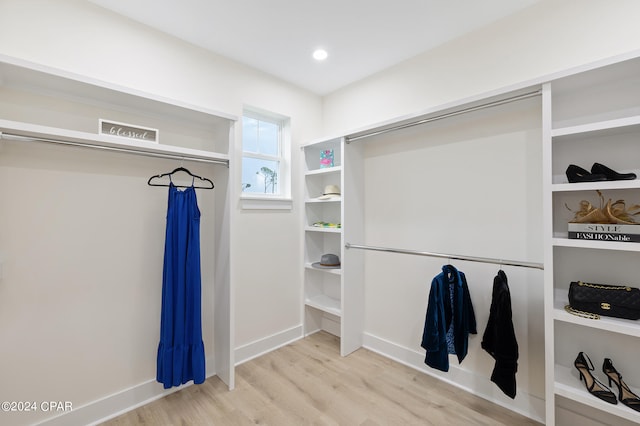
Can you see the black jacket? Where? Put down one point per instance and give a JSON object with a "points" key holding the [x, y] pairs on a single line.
{"points": [[499, 338]]}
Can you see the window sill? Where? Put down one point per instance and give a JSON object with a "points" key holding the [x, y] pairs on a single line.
{"points": [[265, 203]]}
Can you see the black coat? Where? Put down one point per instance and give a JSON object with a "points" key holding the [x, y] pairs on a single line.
{"points": [[499, 338]]}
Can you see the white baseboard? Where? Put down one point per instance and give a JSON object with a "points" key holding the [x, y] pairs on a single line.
{"points": [[116, 404], [111, 406], [119, 403], [526, 404], [260, 347]]}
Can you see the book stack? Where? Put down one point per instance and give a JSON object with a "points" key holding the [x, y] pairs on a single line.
{"points": [[604, 232]]}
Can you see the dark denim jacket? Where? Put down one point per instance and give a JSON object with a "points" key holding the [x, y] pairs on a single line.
{"points": [[442, 310]]}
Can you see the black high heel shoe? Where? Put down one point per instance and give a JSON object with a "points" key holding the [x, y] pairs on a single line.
{"points": [[625, 395], [598, 168], [578, 174], [594, 386]]}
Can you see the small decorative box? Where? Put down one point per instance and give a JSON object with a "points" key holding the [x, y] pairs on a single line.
{"points": [[326, 158]]}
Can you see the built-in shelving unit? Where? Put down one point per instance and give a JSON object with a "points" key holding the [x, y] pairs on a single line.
{"points": [[333, 298], [44, 103], [41, 105], [591, 116]]}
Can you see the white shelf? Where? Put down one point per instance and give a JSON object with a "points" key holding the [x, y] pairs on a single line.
{"points": [[327, 230], [313, 200], [560, 240], [607, 126], [325, 304], [45, 132], [325, 171], [326, 271], [593, 186], [568, 385], [614, 325]]}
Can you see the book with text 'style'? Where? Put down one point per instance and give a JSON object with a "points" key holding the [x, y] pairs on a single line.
{"points": [[607, 228]]}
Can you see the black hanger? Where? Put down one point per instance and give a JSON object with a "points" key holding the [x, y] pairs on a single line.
{"points": [[180, 169]]}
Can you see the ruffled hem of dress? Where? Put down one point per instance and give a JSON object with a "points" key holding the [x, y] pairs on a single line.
{"points": [[179, 364]]}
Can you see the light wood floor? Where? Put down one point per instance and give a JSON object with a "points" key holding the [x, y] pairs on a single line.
{"points": [[308, 383]]}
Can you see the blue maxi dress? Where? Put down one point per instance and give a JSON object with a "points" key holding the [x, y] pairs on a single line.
{"points": [[181, 350]]}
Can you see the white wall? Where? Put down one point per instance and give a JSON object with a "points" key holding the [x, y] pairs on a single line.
{"points": [[469, 185], [551, 36], [76, 36], [81, 237], [460, 179]]}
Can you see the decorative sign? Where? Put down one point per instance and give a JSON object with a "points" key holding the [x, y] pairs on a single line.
{"points": [[128, 131]]}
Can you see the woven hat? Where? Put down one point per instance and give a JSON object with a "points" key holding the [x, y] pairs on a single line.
{"points": [[327, 261], [330, 192]]}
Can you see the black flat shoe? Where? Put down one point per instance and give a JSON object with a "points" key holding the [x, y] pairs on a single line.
{"points": [[578, 174], [594, 386], [625, 395], [598, 168]]}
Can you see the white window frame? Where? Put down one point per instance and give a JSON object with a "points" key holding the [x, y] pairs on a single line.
{"points": [[282, 200]]}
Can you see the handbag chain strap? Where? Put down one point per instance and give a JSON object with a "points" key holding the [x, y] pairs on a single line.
{"points": [[604, 287], [582, 314]]}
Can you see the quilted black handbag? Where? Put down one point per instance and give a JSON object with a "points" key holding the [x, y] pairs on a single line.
{"points": [[592, 300]]}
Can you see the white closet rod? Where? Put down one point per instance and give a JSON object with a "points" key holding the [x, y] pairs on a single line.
{"points": [[185, 157], [349, 139], [450, 256]]}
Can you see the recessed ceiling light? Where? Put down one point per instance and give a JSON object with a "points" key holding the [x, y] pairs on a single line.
{"points": [[320, 54]]}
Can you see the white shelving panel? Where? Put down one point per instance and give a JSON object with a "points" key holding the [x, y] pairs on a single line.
{"points": [[562, 240], [29, 130], [328, 170], [327, 230], [599, 128], [314, 201], [324, 271], [567, 384], [333, 298], [592, 186], [613, 325], [35, 99], [325, 303], [589, 117]]}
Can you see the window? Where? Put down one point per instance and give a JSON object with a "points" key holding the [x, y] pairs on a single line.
{"points": [[265, 158]]}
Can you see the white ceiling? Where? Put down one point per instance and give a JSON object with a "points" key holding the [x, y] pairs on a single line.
{"points": [[279, 36]]}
